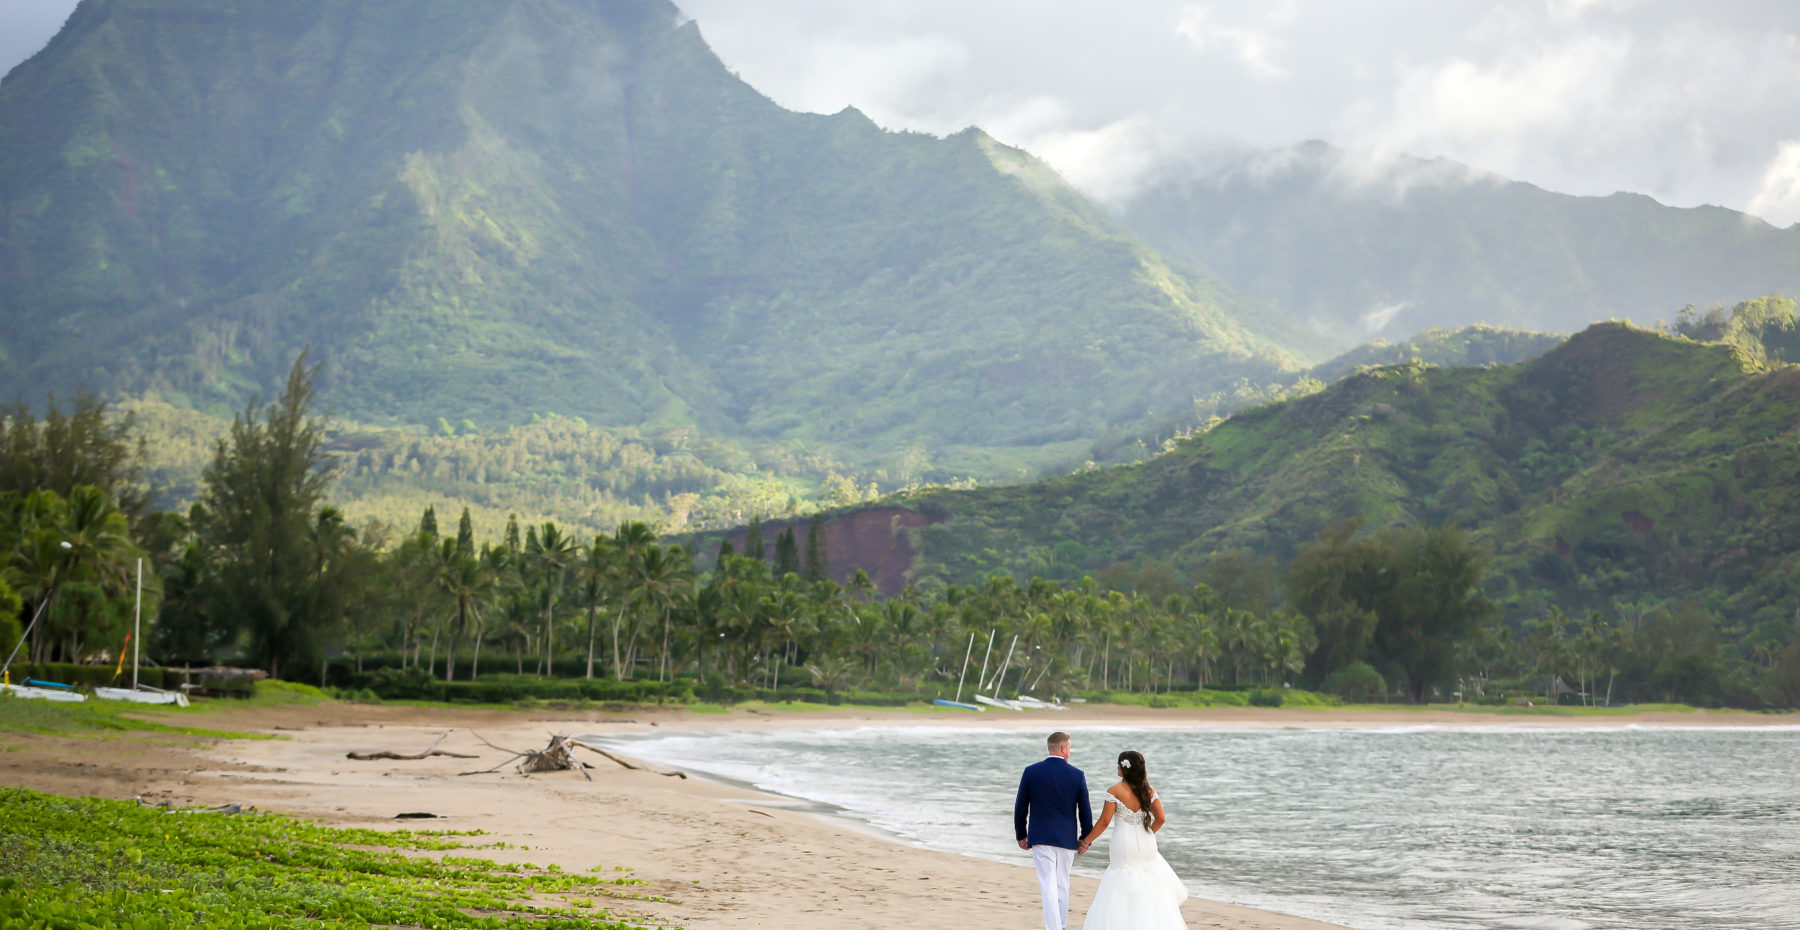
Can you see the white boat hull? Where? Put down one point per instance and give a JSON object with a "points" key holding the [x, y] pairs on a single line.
{"points": [[1009, 705], [45, 694], [142, 697]]}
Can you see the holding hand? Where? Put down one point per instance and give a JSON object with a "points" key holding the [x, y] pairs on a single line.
{"points": [[1024, 844]]}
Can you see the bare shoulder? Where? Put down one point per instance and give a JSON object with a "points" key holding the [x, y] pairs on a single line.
{"points": [[1119, 791]]}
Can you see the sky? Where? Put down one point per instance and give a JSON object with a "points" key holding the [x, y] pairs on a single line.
{"points": [[1687, 102]]}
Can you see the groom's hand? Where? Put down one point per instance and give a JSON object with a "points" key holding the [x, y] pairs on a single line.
{"points": [[1024, 844], [1081, 850]]}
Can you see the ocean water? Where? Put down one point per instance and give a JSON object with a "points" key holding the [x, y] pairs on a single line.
{"points": [[1382, 829]]}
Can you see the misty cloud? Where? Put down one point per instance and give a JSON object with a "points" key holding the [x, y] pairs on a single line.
{"points": [[1687, 103], [1779, 193], [1380, 318], [1256, 44]]}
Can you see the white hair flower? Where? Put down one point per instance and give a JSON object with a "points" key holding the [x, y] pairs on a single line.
{"points": [[1124, 763]]}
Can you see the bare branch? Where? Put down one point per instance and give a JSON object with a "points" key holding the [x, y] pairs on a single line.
{"points": [[431, 750]]}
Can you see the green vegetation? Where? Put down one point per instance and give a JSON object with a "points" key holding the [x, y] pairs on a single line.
{"points": [[1637, 476], [97, 719], [1622, 465], [93, 863], [555, 468], [1207, 697], [1367, 246], [1372, 539]]}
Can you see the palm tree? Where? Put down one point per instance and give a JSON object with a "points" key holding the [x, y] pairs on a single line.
{"points": [[595, 577], [36, 562], [550, 552], [1200, 633], [83, 536], [663, 578], [902, 622], [629, 540], [834, 674], [470, 586], [785, 609]]}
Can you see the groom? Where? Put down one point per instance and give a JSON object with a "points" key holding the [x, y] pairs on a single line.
{"points": [[1051, 793]]}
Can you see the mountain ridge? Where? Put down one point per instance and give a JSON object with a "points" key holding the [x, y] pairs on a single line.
{"points": [[567, 206], [1366, 245]]}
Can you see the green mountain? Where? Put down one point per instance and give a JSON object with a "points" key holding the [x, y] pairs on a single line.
{"points": [[1620, 466], [1445, 348], [480, 211], [1366, 249]]}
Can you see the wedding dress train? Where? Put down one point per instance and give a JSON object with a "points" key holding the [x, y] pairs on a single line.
{"points": [[1138, 891]]}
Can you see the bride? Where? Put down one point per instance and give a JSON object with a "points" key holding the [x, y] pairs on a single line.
{"points": [[1139, 891]]}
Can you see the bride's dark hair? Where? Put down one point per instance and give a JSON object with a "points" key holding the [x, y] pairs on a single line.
{"points": [[1131, 768]]}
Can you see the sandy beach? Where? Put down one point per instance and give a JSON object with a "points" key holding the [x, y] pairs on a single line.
{"points": [[713, 855]]}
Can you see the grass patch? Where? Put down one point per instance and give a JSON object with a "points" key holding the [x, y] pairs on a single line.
{"points": [[97, 719], [1206, 697], [82, 863], [1544, 710], [275, 691], [921, 706]]}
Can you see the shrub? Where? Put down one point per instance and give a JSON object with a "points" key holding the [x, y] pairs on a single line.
{"points": [[1294, 697], [1357, 682], [1266, 697], [290, 689]]}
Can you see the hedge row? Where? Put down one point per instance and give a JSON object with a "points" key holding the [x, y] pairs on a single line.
{"points": [[390, 684], [342, 671], [1213, 697], [413, 685]]}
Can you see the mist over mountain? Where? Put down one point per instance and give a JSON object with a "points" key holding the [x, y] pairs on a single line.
{"points": [[481, 211], [1366, 246]]}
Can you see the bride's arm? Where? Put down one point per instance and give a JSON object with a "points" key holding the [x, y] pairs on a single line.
{"points": [[1161, 819], [1106, 812]]}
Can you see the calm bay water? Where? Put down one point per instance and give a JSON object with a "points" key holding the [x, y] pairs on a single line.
{"points": [[1406, 828]]}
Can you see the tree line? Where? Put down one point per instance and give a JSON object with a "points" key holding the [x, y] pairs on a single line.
{"points": [[263, 569]]}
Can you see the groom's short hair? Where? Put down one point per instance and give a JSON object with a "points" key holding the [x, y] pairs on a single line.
{"points": [[1059, 738]]}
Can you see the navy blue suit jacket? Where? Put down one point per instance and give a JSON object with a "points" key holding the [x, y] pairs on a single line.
{"points": [[1051, 794]]}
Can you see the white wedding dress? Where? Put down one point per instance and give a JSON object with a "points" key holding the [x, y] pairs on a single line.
{"points": [[1139, 891]]}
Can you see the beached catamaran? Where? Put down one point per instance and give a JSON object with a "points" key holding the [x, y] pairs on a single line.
{"points": [[1025, 701], [58, 691], [139, 693], [41, 690]]}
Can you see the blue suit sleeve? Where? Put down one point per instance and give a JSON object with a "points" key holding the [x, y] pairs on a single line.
{"points": [[1021, 806], [1087, 812]]}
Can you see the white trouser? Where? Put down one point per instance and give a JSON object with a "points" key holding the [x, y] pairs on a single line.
{"points": [[1052, 864]]}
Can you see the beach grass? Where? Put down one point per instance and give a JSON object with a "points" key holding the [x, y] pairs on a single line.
{"points": [[81, 863], [97, 719], [1546, 710], [101, 719]]}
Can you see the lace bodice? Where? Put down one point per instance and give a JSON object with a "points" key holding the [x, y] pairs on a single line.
{"points": [[1127, 815]]}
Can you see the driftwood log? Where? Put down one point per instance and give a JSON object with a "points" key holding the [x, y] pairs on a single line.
{"points": [[555, 757], [558, 757], [430, 750]]}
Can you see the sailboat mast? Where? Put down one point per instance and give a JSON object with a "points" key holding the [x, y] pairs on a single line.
{"points": [[137, 626], [981, 683], [1000, 677], [965, 669]]}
